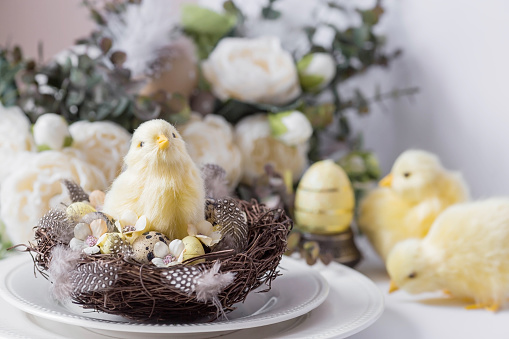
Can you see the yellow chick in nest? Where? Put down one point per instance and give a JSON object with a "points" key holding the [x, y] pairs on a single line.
{"points": [[160, 181], [466, 253], [410, 198]]}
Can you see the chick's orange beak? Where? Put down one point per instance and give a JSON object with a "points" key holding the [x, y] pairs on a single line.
{"points": [[163, 142], [393, 287], [386, 181]]}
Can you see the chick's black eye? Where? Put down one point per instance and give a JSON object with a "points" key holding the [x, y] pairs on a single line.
{"points": [[412, 275], [141, 144], [174, 135], [407, 174]]}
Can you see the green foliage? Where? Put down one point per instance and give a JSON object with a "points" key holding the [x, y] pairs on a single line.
{"points": [[361, 166], [206, 27], [11, 62], [83, 88], [5, 243]]}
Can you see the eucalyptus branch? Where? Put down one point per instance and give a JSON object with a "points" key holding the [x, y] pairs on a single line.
{"points": [[380, 97]]}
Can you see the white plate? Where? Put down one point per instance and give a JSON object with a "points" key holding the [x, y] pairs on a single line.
{"points": [[298, 291], [353, 304]]}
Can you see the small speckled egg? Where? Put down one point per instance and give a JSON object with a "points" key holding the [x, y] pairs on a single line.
{"points": [[324, 201], [143, 246]]}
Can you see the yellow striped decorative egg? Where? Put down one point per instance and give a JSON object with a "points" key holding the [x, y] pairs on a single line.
{"points": [[324, 201]]}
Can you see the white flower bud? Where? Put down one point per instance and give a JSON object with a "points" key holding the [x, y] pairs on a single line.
{"points": [[292, 128], [316, 71], [51, 132]]}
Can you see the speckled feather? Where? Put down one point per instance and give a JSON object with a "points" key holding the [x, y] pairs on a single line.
{"points": [[76, 192], [57, 221], [230, 221], [182, 279], [94, 276]]}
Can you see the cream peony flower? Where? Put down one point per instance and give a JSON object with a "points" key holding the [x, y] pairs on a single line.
{"points": [[35, 187], [103, 144], [252, 70], [16, 142], [51, 132], [292, 128], [210, 140], [205, 232], [168, 255], [253, 135]]}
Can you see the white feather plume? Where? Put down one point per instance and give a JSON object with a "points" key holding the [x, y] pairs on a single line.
{"points": [[147, 31]]}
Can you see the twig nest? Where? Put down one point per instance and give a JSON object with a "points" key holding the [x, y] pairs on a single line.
{"points": [[143, 246], [104, 275]]}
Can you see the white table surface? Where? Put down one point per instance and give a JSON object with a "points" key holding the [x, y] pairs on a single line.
{"points": [[427, 315]]}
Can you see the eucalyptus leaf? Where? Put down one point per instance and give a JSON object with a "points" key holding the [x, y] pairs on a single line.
{"points": [[84, 62], [270, 14], [75, 97], [103, 111], [121, 107], [202, 20], [78, 78]]}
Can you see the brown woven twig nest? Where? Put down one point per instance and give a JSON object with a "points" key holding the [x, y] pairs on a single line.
{"points": [[144, 292]]}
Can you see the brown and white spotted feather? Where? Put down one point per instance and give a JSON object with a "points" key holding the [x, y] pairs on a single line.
{"points": [[94, 276], [76, 192], [231, 221], [61, 228], [183, 278]]}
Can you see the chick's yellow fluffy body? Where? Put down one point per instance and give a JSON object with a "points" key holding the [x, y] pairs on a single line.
{"points": [[419, 190], [465, 252], [159, 181]]}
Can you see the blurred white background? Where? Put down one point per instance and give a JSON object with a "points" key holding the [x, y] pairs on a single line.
{"points": [[456, 52]]}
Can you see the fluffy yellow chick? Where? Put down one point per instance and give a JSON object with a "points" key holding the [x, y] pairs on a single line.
{"points": [[159, 181], [465, 253], [416, 191]]}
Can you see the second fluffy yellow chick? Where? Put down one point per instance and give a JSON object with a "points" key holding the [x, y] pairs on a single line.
{"points": [[416, 191], [465, 253], [160, 181]]}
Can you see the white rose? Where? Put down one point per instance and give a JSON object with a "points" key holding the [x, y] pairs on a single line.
{"points": [[292, 128], [252, 70], [35, 187], [210, 140], [253, 136], [103, 143], [316, 71], [16, 141], [51, 132]]}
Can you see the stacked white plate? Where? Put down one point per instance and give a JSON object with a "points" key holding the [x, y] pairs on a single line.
{"points": [[320, 302]]}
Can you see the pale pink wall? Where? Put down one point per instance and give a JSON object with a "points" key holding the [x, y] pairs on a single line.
{"points": [[57, 23]]}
